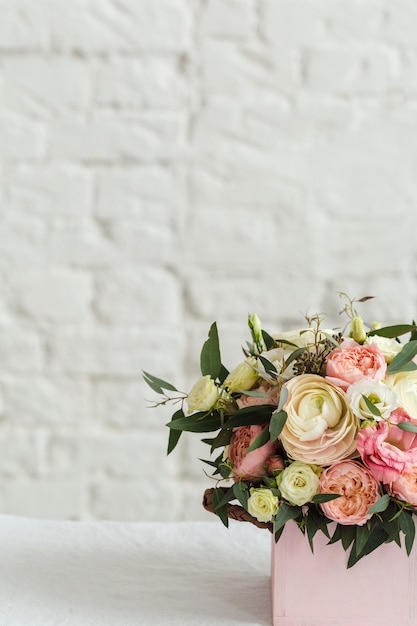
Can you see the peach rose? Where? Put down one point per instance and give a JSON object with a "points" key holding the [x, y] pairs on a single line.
{"points": [[248, 465], [352, 362], [246, 400], [405, 487], [358, 489], [387, 450], [320, 428]]}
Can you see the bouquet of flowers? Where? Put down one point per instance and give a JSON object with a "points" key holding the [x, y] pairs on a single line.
{"points": [[315, 425]]}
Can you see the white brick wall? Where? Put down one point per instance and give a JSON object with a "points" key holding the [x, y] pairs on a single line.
{"points": [[164, 164]]}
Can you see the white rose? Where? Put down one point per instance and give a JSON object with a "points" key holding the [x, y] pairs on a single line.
{"points": [[262, 504], [404, 385], [388, 347], [243, 377], [381, 396], [203, 396], [298, 483]]}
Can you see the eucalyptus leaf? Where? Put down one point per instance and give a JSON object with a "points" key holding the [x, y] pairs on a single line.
{"points": [[404, 359], [294, 355], [254, 394], [283, 397], [408, 527], [268, 340], [174, 435], [249, 415], [348, 534], [371, 406], [269, 367], [375, 539], [319, 498], [286, 513], [380, 505], [362, 536], [221, 439], [157, 384], [393, 331], [197, 422], [224, 496], [210, 361], [220, 506], [408, 426], [259, 441], [241, 493], [277, 423]]}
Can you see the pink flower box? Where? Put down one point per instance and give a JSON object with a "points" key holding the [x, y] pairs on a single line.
{"points": [[317, 589]]}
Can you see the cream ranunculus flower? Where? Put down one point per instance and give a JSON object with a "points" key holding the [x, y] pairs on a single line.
{"points": [[262, 504], [320, 427], [298, 483], [381, 396], [243, 377], [203, 395], [404, 385], [389, 348]]}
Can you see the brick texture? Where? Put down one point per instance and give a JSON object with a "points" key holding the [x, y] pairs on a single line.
{"points": [[166, 163]]}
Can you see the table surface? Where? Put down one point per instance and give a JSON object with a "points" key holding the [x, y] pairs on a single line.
{"points": [[65, 573]]}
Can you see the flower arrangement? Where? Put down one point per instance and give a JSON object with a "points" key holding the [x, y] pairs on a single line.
{"points": [[315, 425]]}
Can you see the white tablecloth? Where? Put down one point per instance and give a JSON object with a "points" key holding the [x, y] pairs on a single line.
{"points": [[59, 573]]}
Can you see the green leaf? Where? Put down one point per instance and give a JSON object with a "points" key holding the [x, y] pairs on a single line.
{"points": [[220, 506], [283, 397], [319, 498], [210, 361], [174, 435], [268, 340], [312, 528], [277, 423], [407, 526], [278, 533], [380, 505], [337, 535], [259, 441], [221, 439], [269, 367], [250, 415], [294, 355], [197, 422], [377, 537], [254, 394], [241, 493], [371, 406], [408, 426], [315, 521], [286, 513], [404, 359], [393, 331], [157, 384], [362, 536], [348, 534]]}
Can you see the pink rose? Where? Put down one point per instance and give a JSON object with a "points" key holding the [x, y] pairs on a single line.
{"points": [[352, 362], [274, 463], [272, 397], [405, 487], [248, 465], [387, 450], [358, 490]]}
